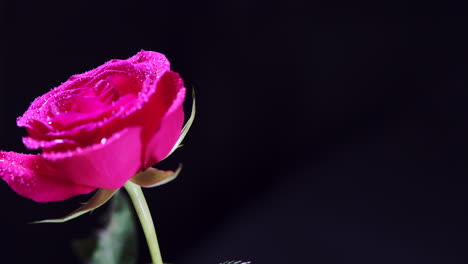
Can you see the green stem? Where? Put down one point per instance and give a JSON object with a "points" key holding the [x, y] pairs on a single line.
{"points": [[141, 207]]}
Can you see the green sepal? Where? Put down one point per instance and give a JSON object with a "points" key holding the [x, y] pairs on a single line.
{"points": [[99, 198], [153, 177]]}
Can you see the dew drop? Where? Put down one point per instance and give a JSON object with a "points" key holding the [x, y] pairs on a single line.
{"points": [[103, 140]]}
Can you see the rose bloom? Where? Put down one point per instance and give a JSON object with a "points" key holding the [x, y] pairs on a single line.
{"points": [[98, 129]]}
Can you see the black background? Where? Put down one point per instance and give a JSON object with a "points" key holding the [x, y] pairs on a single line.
{"points": [[326, 132]]}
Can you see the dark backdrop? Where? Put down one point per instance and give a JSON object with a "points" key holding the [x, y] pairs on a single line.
{"points": [[326, 132]]}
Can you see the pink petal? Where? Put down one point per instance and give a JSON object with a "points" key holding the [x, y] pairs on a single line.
{"points": [[170, 126], [31, 176], [154, 62], [141, 66], [107, 165]]}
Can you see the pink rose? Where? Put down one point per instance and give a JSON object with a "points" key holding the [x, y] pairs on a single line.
{"points": [[98, 129]]}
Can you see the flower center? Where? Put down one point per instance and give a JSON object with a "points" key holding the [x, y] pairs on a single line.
{"points": [[94, 100]]}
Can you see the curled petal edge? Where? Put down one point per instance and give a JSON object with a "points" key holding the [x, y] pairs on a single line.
{"points": [[168, 105], [186, 127]]}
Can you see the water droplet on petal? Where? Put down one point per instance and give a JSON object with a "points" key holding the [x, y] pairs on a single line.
{"points": [[103, 140]]}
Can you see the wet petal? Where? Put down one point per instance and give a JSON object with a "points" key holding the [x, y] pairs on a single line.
{"points": [[186, 127], [107, 165], [161, 141], [33, 177], [135, 75]]}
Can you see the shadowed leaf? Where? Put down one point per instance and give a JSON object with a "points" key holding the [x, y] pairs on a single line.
{"points": [[116, 243]]}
